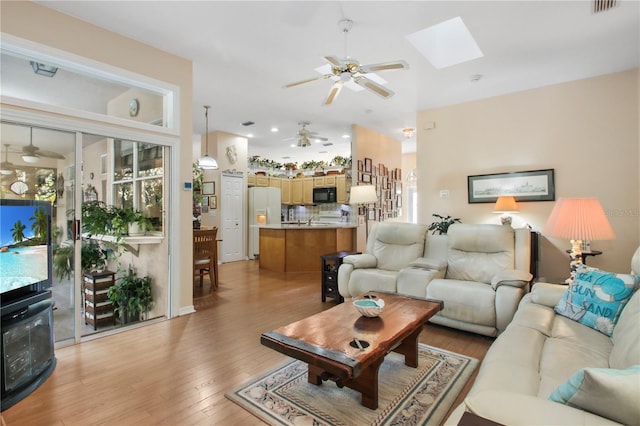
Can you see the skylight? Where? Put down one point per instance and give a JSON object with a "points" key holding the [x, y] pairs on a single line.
{"points": [[445, 44]]}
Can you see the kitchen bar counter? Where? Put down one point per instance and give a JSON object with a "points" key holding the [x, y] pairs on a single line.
{"points": [[297, 248]]}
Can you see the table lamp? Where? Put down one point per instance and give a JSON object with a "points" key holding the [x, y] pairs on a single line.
{"points": [[506, 204], [578, 219], [364, 194]]}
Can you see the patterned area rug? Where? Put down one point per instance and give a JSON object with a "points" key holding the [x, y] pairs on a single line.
{"points": [[407, 396]]}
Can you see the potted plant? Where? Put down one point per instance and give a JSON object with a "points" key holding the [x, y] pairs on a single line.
{"points": [[442, 226], [131, 296]]}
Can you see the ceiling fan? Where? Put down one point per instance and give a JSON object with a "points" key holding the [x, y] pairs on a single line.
{"points": [[350, 71], [304, 135], [31, 153]]}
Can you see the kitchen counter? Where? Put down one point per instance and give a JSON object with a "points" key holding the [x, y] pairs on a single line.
{"points": [[305, 225], [289, 247]]}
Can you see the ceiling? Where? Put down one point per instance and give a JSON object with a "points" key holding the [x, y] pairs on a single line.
{"points": [[243, 53]]}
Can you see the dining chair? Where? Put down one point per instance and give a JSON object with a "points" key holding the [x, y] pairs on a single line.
{"points": [[205, 255]]}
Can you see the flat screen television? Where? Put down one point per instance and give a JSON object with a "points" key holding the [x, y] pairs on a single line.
{"points": [[26, 252]]}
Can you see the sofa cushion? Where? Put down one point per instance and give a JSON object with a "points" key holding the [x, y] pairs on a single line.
{"points": [[477, 253], [608, 392], [364, 280], [396, 246], [626, 337], [465, 300], [596, 298]]}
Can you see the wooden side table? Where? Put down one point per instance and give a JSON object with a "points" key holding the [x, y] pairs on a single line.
{"points": [[330, 264]]}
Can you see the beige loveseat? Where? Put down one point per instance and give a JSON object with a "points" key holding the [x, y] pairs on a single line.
{"points": [[480, 272], [540, 350]]}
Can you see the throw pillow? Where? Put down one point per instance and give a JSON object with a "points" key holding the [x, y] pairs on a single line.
{"points": [[609, 393], [596, 298]]}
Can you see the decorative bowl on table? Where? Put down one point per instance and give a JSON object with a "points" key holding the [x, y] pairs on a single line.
{"points": [[369, 307]]}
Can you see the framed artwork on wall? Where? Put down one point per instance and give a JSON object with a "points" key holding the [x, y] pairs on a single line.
{"points": [[213, 202], [368, 163], [208, 188], [534, 185]]}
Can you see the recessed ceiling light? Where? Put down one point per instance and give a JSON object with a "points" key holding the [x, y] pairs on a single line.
{"points": [[249, 135], [445, 44], [345, 136], [274, 129], [293, 145], [475, 78]]}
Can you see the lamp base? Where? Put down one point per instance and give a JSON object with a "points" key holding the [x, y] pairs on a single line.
{"points": [[576, 259]]}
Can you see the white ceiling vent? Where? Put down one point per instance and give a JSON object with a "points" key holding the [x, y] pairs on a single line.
{"points": [[602, 5]]}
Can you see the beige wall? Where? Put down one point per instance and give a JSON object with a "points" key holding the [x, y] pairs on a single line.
{"points": [[30, 21], [586, 130], [219, 142]]}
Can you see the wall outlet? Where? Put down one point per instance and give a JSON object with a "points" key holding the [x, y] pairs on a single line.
{"points": [[444, 193]]}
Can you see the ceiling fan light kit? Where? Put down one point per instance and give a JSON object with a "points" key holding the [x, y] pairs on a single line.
{"points": [[349, 70]]}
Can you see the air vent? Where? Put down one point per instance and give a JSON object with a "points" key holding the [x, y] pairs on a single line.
{"points": [[602, 5], [327, 144], [286, 157], [248, 123]]}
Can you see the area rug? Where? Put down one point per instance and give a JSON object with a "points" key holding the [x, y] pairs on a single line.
{"points": [[406, 395]]}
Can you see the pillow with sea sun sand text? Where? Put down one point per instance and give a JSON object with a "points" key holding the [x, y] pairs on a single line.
{"points": [[596, 298]]}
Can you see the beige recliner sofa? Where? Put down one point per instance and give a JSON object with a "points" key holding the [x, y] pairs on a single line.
{"points": [[540, 350], [487, 274], [480, 271], [391, 247]]}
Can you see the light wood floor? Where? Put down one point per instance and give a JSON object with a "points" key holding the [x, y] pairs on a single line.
{"points": [[176, 372]]}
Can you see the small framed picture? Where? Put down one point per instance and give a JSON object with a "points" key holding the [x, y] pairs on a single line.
{"points": [[368, 163], [205, 201], [372, 214], [213, 202], [204, 209], [366, 178], [360, 165], [208, 188]]}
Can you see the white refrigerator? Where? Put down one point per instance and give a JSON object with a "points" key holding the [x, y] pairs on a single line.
{"points": [[264, 209]]}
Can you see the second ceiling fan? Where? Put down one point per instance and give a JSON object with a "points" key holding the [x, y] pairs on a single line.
{"points": [[349, 70]]}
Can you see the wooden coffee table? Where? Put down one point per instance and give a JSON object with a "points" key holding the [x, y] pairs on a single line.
{"points": [[326, 342]]}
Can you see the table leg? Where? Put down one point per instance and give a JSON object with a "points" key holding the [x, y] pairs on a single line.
{"points": [[314, 375], [367, 384], [409, 348]]}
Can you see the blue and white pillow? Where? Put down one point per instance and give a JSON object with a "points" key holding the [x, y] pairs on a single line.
{"points": [[596, 298], [607, 392]]}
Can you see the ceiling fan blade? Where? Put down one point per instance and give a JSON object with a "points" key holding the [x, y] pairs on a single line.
{"points": [[49, 154], [309, 80], [333, 93], [373, 87], [384, 66], [335, 61]]}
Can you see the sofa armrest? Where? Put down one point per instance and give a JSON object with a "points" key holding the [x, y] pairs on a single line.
{"points": [[547, 294], [512, 277], [364, 260], [517, 409], [429, 264]]}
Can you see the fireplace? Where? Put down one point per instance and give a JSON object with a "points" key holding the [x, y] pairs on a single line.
{"points": [[27, 349]]}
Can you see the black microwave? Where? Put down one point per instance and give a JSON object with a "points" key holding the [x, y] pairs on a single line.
{"points": [[324, 195]]}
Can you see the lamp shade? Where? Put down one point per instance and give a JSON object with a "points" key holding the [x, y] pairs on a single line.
{"points": [[579, 219], [363, 194], [207, 163], [506, 204]]}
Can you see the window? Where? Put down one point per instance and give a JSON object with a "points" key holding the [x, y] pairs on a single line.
{"points": [[138, 178]]}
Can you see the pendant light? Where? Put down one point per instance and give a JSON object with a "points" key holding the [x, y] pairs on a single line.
{"points": [[207, 162]]}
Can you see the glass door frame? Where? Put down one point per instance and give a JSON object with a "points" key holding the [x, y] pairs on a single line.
{"points": [[33, 117]]}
